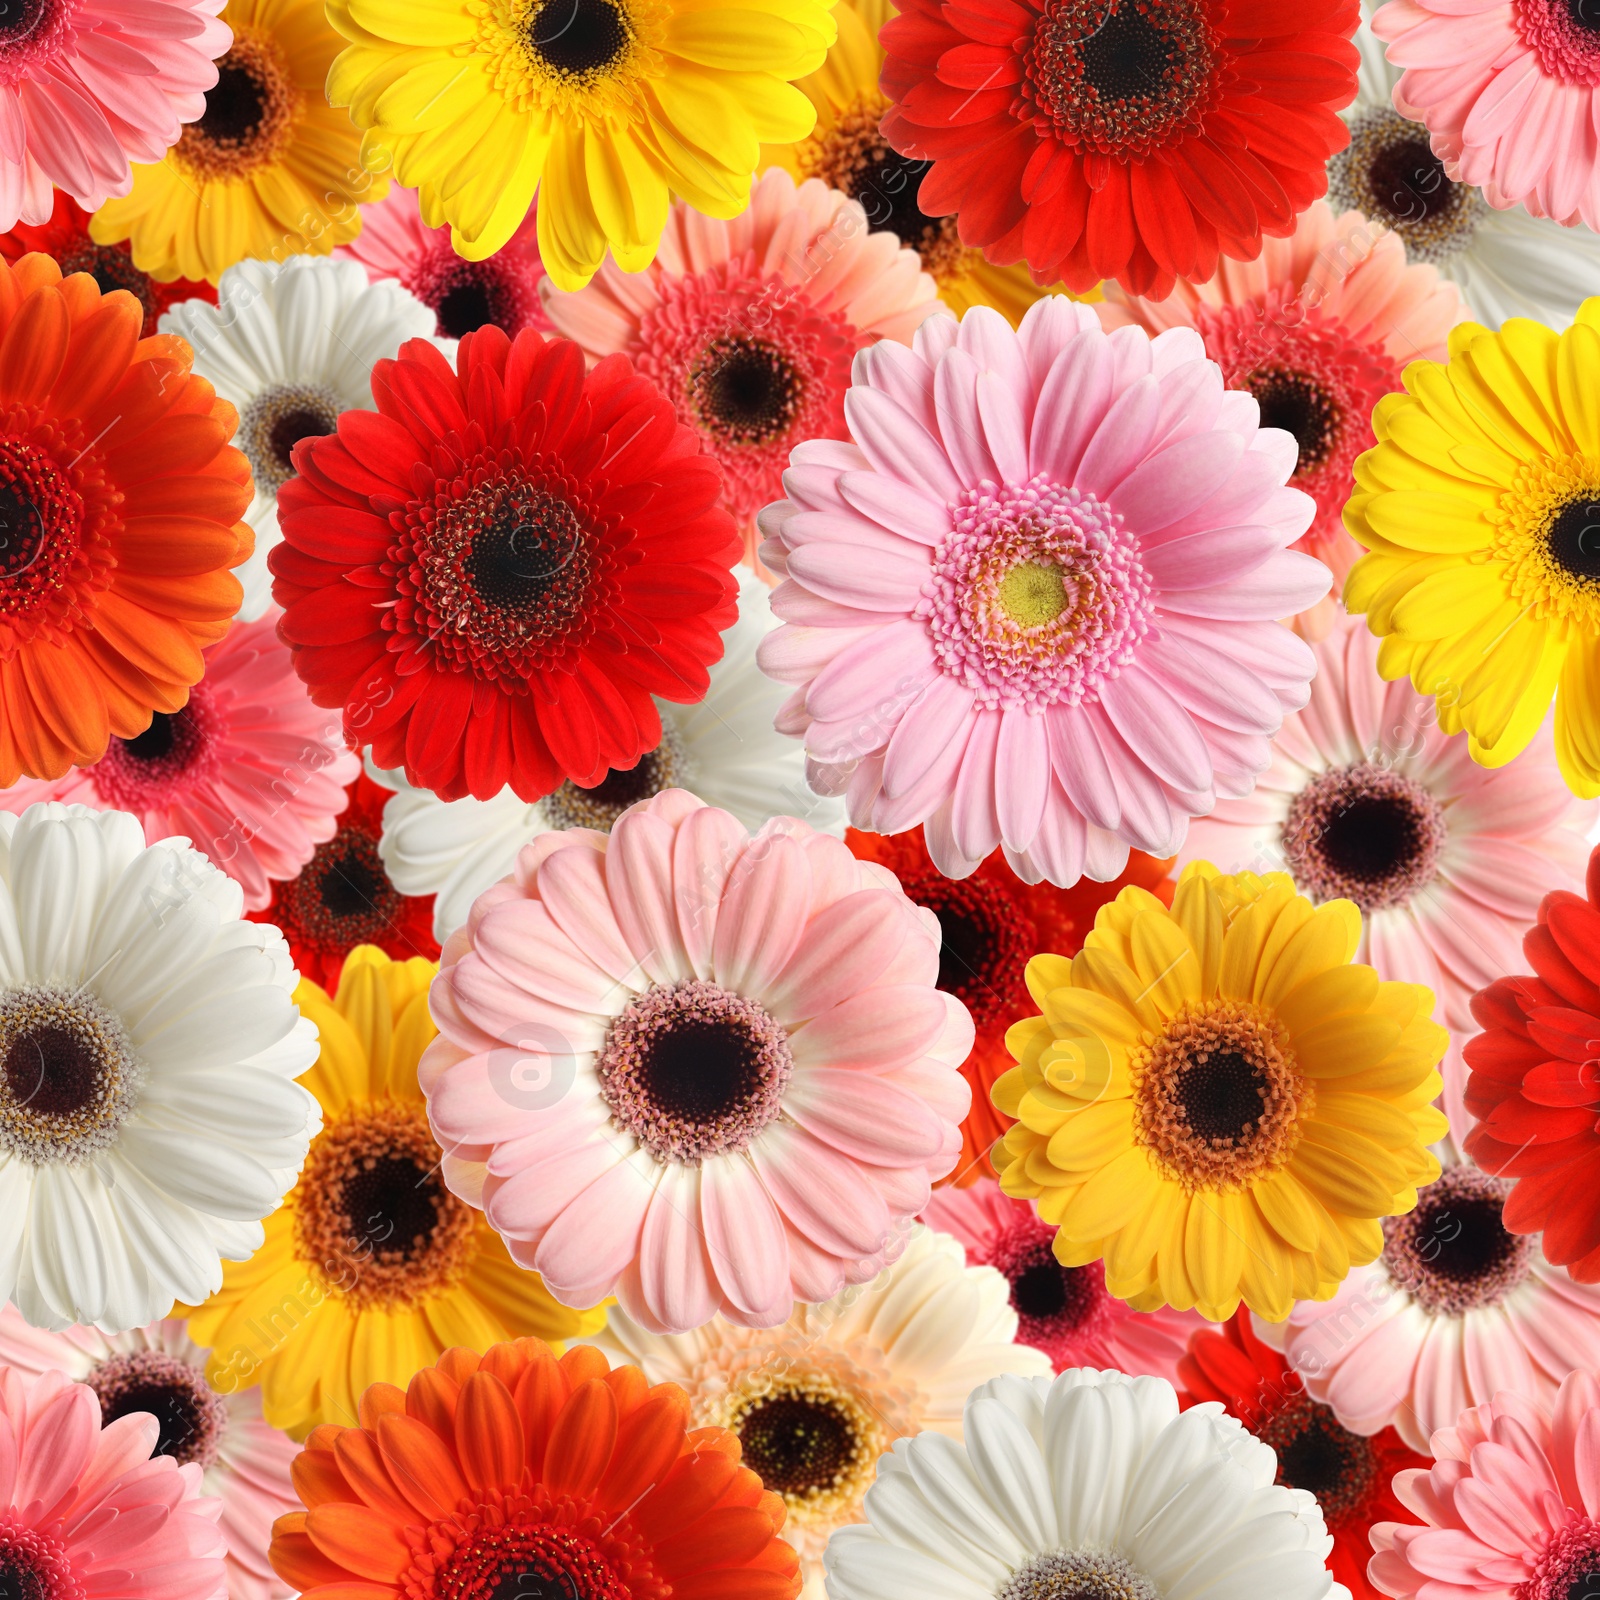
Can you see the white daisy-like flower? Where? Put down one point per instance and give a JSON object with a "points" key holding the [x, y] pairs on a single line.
{"points": [[159, 1369], [149, 1043], [1506, 263], [292, 344], [724, 748], [816, 1400], [1093, 1487]]}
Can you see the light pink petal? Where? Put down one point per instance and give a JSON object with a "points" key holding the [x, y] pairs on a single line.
{"points": [[595, 1238], [639, 881], [710, 848], [822, 1194], [763, 915], [879, 1028], [675, 1273], [1021, 776], [864, 1116], [897, 444], [846, 947], [1071, 403], [745, 1239]]}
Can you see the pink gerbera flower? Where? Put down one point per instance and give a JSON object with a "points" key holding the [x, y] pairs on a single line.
{"points": [[89, 86], [1511, 1508], [705, 1072], [1067, 1312], [1317, 328], [750, 326], [1033, 603], [250, 771], [88, 1512]]}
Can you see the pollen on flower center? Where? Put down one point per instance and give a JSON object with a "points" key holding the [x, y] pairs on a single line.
{"points": [[665, 767], [1569, 1566], [191, 1415], [250, 113], [342, 897], [1033, 594], [745, 391], [1565, 35], [1453, 1253], [1056, 1306], [1078, 1575], [111, 268], [43, 528], [1548, 535], [276, 421], [511, 1560]]}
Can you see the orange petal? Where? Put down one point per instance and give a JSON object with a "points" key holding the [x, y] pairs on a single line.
{"points": [[488, 1433], [318, 1479], [299, 1563], [582, 1440], [420, 1466], [654, 1441], [431, 1399], [361, 1540], [363, 1469], [380, 1400], [727, 1583], [540, 1394]]}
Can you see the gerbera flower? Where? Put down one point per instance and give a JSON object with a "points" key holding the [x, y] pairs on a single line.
{"points": [[1478, 510], [1506, 263], [463, 296], [1351, 1474], [120, 501], [603, 106], [1066, 1312], [1092, 1485], [292, 345], [1113, 139], [524, 556], [1317, 328], [1454, 1310], [749, 327], [815, 1401], [990, 926], [1048, 622], [747, 1043], [561, 1473], [724, 749], [249, 771], [344, 897], [1218, 1100], [265, 167], [371, 1268], [149, 1116], [86, 1510], [65, 235], [1367, 799], [160, 1370]]}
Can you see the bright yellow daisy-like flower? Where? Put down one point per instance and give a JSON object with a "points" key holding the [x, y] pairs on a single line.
{"points": [[269, 171], [606, 107], [371, 1268], [1480, 506], [1217, 1101]]}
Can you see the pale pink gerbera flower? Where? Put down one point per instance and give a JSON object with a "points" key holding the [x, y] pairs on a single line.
{"points": [[160, 1370], [1367, 800], [1511, 1508], [89, 86], [1507, 90], [750, 326], [1034, 602], [87, 1512], [249, 771], [1067, 1312], [1317, 328], [698, 1070]]}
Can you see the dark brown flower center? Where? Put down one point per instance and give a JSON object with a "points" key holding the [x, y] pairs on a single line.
{"points": [[1453, 1253], [665, 767], [111, 266], [797, 1443], [1297, 403], [1317, 1454], [1573, 538], [519, 1562], [745, 391], [190, 1415], [986, 941], [578, 38], [249, 116], [343, 896]]}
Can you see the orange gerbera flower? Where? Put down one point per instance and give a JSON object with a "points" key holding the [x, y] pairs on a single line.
{"points": [[120, 507], [514, 1473]]}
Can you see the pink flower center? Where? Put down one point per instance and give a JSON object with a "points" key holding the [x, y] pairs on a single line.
{"points": [[1565, 35], [467, 295], [165, 762], [1037, 596], [34, 1565], [1453, 1254], [1058, 1308], [191, 1415], [31, 33], [694, 1070], [1569, 1568]]}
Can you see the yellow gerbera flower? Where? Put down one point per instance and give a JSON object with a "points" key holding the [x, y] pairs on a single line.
{"points": [[606, 107], [371, 1268], [1217, 1101], [1480, 506], [269, 171], [847, 152]]}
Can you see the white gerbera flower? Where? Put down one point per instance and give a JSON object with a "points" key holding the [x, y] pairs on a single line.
{"points": [[291, 344], [724, 748], [1506, 263], [816, 1400], [1092, 1487], [149, 1043]]}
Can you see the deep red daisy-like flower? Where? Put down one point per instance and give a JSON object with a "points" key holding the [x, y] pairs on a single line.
{"points": [[1351, 1474], [1534, 1082], [495, 571], [343, 897], [1130, 139], [993, 924]]}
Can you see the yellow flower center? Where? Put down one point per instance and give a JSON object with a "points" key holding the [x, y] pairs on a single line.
{"points": [[572, 58], [1548, 535], [250, 115], [1032, 594]]}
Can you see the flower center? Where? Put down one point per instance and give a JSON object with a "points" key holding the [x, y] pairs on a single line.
{"points": [[68, 1075], [35, 1565], [249, 116], [372, 1215], [1037, 596], [986, 940], [42, 526], [1453, 1253], [1565, 34], [745, 391], [165, 761], [1548, 535], [577, 38], [1573, 538], [1057, 1307], [276, 421], [694, 1070], [111, 267], [1569, 1568], [192, 1416], [1316, 1454], [342, 897], [1297, 403], [1364, 833], [467, 295], [1078, 1575], [665, 767], [31, 33], [523, 1563], [1217, 1099]]}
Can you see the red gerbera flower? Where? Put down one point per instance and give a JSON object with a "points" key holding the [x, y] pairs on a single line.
{"points": [[343, 897], [1127, 139], [1534, 1084], [1352, 1475], [66, 237], [993, 925], [494, 572]]}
